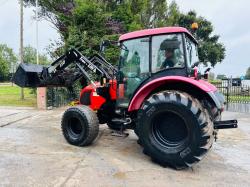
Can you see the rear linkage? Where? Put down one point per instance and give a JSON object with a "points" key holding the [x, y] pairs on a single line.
{"points": [[225, 124]]}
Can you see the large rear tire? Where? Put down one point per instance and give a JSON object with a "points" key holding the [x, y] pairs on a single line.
{"points": [[174, 129], [80, 125]]}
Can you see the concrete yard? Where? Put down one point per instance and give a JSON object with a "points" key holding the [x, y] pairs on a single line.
{"points": [[34, 153]]}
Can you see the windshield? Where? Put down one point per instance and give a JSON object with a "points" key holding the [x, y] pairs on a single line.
{"points": [[167, 52]]}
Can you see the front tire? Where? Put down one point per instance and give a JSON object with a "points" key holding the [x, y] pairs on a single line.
{"points": [[80, 125], [174, 129]]}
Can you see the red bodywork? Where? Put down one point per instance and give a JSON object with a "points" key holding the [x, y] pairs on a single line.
{"points": [[156, 31], [95, 100], [144, 91]]}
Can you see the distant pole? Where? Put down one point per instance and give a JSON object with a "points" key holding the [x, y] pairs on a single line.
{"points": [[21, 41], [12, 68], [40, 93], [37, 47]]}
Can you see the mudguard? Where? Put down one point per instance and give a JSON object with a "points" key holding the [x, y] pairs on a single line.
{"points": [[148, 88], [89, 95]]}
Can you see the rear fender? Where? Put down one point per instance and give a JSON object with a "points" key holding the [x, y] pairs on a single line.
{"points": [[145, 91]]}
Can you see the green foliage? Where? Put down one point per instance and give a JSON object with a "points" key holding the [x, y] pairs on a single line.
{"points": [[247, 76], [239, 99], [7, 61], [139, 14], [211, 52], [83, 24], [155, 13], [210, 49], [29, 56], [87, 27], [112, 52], [173, 14], [216, 82], [124, 14], [4, 70]]}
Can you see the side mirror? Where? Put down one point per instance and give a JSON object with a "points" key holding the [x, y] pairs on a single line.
{"points": [[103, 45], [207, 70], [195, 64], [206, 73]]}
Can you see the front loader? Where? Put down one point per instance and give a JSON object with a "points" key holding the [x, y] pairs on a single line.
{"points": [[156, 90]]}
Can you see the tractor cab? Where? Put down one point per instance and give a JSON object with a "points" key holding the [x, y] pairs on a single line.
{"points": [[153, 53]]}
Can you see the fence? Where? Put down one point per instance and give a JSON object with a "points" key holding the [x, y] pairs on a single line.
{"points": [[237, 95], [57, 97]]}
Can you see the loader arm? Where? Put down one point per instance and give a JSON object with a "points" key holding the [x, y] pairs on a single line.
{"points": [[63, 72], [101, 62]]}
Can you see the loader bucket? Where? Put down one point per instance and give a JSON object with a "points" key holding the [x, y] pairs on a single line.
{"points": [[27, 75]]}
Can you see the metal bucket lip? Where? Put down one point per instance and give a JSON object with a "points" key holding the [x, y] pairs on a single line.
{"points": [[32, 67], [27, 75]]}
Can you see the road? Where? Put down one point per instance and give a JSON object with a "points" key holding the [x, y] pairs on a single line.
{"points": [[34, 153]]}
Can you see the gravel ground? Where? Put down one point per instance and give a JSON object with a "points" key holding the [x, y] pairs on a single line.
{"points": [[34, 153]]}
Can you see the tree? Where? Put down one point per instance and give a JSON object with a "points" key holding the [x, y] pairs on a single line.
{"points": [[4, 70], [54, 11], [247, 76], [29, 56], [173, 14], [8, 61], [84, 24], [210, 49]]}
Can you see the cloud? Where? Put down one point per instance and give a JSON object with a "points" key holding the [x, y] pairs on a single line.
{"points": [[10, 23], [230, 20], [239, 41]]}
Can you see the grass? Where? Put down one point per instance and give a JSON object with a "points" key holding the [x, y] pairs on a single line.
{"points": [[240, 99], [215, 81], [10, 96]]}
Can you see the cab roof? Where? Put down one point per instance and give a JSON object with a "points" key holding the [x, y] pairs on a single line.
{"points": [[155, 31]]}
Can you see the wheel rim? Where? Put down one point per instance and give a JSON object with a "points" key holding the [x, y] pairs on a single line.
{"points": [[75, 127], [169, 129]]}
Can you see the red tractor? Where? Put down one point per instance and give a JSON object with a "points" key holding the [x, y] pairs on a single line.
{"points": [[156, 91]]}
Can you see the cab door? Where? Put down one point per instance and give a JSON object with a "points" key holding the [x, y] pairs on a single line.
{"points": [[133, 68]]}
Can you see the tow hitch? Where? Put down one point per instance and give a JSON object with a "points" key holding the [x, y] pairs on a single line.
{"points": [[228, 124]]}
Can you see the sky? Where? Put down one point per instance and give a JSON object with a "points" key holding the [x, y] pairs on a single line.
{"points": [[230, 20], [10, 27]]}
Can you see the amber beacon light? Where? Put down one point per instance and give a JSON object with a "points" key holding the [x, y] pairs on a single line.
{"points": [[194, 26]]}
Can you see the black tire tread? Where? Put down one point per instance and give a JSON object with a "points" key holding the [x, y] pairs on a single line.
{"points": [[202, 115], [93, 123]]}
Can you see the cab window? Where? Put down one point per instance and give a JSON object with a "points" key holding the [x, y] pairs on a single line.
{"points": [[192, 52], [167, 52]]}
